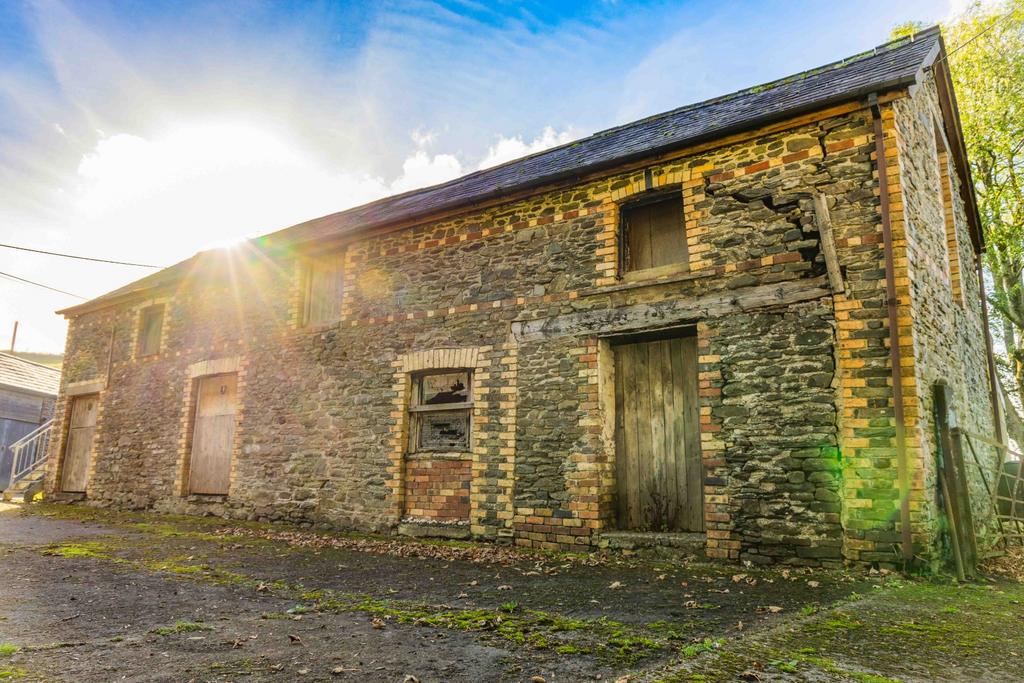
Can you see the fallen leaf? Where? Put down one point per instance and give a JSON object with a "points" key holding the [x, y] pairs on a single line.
{"points": [[303, 672], [736, 578], [504, 588], [538, 679], [294, 638], [660, 577], [739, 625], [813, 584], [409, 678], [615, 585], [377, 622], [691, 604]]}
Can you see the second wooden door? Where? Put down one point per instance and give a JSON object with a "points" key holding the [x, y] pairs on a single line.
{"points": [[212, 441], [78, 449], [658, 466]]}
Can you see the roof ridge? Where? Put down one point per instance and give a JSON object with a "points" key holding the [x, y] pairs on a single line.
{"points": [[754, 89], [768, 85], [840, 81]]}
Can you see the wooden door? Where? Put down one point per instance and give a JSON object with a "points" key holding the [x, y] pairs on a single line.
{"points": [[210, 464], [78, 449], [658, 466]]}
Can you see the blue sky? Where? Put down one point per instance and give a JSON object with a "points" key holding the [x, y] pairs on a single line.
{"points": [[147, 131]]}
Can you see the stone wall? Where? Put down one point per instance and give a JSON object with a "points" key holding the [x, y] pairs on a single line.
{"points": [[525, 295], [777, 415], [948, 330]]}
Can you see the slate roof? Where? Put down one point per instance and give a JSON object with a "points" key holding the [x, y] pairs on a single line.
{"points": [[19, 373], [895, 64]]}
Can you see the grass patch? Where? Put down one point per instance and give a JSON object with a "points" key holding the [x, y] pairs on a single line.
{"points": [[706, 645], [89, 549], [182, 627], [8, 649]]}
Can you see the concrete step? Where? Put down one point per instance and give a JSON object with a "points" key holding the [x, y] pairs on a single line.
{"points": [[655, 544], [23, 489]]}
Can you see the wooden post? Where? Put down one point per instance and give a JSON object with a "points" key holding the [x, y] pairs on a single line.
{"points": [[968, 540], [955, 500]]}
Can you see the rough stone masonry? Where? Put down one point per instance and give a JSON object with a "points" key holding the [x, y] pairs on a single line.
{"points": [[524, 293]]}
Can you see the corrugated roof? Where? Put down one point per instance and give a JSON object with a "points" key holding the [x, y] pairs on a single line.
{"points": [[889, 66], [24, 374]]}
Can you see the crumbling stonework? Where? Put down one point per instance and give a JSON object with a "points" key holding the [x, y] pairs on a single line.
{"points": [[796, 426]]}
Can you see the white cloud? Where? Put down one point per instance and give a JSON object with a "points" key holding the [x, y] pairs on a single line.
{"points": [[421, 169], [507, 149]]}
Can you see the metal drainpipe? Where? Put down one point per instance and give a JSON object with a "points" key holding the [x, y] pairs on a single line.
{"points": [[988, 351], [902, 463]]}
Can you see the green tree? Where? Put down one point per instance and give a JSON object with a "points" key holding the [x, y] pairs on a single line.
{"points": [[986, 57]]}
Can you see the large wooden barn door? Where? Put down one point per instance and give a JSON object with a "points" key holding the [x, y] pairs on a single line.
{"points": [[210, 464], [658, 466], [79, 444]]}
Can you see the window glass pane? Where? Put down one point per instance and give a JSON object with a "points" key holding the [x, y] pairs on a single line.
{"points": [[451, 387], [444, 431]]}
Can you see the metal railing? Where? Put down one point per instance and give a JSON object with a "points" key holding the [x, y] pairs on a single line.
{"points": [[29, 453]]}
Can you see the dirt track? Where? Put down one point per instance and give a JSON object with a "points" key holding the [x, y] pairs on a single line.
{"points": [[100, 597]]}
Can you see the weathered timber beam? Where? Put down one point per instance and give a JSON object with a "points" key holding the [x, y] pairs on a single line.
{"points": [[828, 243], [663, 314]]}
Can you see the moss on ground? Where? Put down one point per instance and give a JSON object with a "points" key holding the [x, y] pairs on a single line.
{"points": [[915, 629], [182, 627], [90, 549], [926, 626], [8, 649]]}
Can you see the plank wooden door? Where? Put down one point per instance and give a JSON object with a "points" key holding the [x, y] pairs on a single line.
{"points": [[657, 439], [78, 448], [210, 464]]}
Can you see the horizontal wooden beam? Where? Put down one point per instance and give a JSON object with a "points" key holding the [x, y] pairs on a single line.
{"points": [[671, 313]]}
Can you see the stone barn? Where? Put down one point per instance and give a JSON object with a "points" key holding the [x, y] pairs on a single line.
{"points": [[719, 325]]}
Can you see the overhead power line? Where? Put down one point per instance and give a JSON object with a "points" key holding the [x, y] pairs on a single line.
{"points": [[81, 258], [39, 284], [999, 20]]}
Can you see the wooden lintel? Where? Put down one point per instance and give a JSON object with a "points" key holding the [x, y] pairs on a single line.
{"points": [[671, 313], [828, 243]]}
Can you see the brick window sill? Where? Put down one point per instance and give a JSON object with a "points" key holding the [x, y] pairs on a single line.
{"points": [[318, 329], [439, 455]]}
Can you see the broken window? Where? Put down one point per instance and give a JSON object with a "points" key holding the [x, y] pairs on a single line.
{"points": [[151, 325], [440, 411], [652, 232], [323, 291]]}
